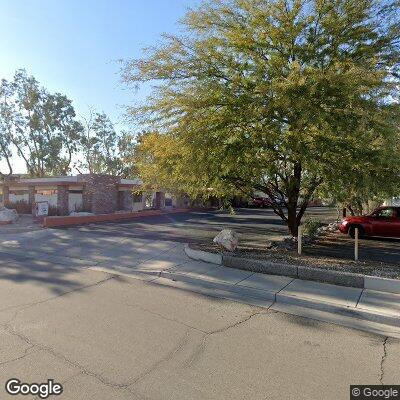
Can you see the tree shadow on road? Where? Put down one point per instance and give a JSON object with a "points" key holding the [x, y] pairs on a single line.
{"points": [[55, 278]]}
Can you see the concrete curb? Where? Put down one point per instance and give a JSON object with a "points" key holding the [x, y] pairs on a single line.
{"points": [[264, 267], [382, 284], [205, 256], [298, 271]]}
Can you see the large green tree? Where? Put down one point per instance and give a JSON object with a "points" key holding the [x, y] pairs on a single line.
{"points": [[39, 125], [5, 127], [281, 96], [103, 149]]}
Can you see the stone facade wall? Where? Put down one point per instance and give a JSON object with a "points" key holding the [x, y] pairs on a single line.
{"points": [[31, 197], [100, 193], [86, 200], [62, 200], [6, 195], [160, 200], [31, 194]]}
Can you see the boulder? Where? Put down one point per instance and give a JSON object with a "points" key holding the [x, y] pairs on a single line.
{"points": [[8, 216], [228, 239], [287, 243], [330, 228]]}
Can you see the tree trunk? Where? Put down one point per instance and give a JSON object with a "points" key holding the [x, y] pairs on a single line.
{"points": [[292, 219], [350, 208]]}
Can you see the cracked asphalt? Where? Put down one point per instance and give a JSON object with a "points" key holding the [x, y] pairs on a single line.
{"points": [[65, 315]]}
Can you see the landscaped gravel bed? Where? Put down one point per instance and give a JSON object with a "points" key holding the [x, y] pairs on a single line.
{"points": [[290, 256]]}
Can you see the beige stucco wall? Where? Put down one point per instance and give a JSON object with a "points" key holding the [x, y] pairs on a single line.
{"points": [[52, 199]]}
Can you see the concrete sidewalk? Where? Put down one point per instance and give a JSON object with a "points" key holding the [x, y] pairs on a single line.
{"points": [[369, 310]]}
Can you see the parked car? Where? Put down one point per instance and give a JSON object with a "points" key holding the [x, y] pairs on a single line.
{"points": [[263, 202], [384, 221], [260, 202]]}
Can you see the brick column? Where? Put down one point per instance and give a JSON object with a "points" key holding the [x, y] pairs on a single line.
{"points": [[31, 195], [100, 193], [160, 196], [121, 201], [62, 200], [6, 195], [31, 198], [86, 198]]}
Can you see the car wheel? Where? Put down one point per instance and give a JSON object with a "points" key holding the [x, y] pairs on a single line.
{"points": [[352, 231]]}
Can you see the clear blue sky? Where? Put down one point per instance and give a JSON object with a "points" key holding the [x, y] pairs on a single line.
{"points": [[71, 46]]}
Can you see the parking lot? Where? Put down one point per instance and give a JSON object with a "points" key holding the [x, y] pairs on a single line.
{"points": [[256, 228]]}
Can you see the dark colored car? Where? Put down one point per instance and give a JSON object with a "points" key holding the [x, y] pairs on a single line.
{"points": [[264, 202], [260, 202], [384, 221]]}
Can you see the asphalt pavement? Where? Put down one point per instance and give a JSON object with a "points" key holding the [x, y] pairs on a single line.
{"points": [[71, 311], [85, 306], [255, 225], [256, 228]]}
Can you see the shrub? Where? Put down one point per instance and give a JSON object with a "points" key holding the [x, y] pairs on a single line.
{"points": [[311, 226], [21, 206]]}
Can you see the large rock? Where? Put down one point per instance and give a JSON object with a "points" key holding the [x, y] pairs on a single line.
{"points": [[8, 216], [228, 239], [330, 228]]}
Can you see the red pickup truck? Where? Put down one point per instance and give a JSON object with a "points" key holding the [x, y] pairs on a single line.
{"points": [[384, 221]]}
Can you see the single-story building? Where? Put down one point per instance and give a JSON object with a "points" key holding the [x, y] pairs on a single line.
{"points": [[94, 193]]}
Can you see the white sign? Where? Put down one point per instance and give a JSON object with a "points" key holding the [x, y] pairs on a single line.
{"points": [[42, 208]]}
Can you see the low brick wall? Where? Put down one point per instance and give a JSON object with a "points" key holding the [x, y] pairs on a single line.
{"points": [[53, 222]]}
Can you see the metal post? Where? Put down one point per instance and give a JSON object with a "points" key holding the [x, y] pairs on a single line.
{"points": [[356, 244], [299, 237]]}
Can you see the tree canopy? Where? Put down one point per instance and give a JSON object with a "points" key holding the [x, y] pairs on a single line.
{"points": [[282, 96], [103, 149], [42, 128]]}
